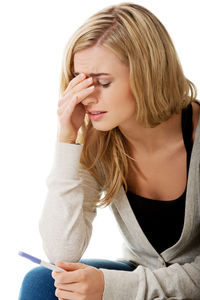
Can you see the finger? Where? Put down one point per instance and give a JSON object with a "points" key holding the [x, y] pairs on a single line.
{"points": [[81, 93], [72, 287], [79, 86], [80, 97], [68, 107], [67, 277], [71, 266], [69, 92], [66, 294], [75, 81]]}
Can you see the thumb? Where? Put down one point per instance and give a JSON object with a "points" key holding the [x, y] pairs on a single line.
{"points": [[70, 266]]}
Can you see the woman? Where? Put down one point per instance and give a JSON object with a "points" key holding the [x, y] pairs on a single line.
{"points": [[128, 137]]}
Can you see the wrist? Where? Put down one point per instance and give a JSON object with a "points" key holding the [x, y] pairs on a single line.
{"points": [[66, 139], [63, 140]]}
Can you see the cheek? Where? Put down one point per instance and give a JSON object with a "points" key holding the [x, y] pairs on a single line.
{"points": [[124, 101], [118, 98], [122, 92]]}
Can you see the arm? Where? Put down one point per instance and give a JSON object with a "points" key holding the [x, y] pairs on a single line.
{"points": [[66, 221], [176, 282]]}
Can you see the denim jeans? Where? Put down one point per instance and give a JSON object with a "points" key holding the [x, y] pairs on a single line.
{"points": [[39, 285]]}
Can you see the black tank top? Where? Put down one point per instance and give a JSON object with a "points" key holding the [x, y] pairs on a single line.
{"points": [[162, 221]]}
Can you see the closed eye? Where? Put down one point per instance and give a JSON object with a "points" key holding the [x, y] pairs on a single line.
{"points": [[105, 85]]}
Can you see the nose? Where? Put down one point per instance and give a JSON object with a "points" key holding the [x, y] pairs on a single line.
{"points": [[90, 99]]}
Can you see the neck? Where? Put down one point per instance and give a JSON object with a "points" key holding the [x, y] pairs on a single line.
{"points": [[152, 140]]}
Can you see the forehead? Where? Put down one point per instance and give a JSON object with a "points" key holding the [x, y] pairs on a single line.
{"points": [[97, 60]]}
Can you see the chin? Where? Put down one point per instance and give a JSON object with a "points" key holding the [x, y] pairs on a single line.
{"points": [[101, 127]]}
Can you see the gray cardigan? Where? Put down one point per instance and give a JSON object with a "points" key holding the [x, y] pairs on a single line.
{"points": [[66, 227]]}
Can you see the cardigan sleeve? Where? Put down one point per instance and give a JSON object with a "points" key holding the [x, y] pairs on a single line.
{"points": [[69, 209], [175, 282]]}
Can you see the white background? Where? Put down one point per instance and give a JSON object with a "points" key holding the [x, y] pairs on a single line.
{"points": [[33, 36]]}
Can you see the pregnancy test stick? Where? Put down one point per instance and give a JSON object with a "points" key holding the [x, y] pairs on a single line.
{"points": [[41, 262]]}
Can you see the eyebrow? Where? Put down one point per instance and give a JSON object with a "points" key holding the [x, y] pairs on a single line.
{"points": [[93, 74]]}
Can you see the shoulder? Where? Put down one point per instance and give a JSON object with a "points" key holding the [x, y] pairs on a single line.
{"points": [[196, 116]]}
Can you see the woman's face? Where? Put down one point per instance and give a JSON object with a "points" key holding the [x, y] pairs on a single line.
{"points": [[115, 98]]}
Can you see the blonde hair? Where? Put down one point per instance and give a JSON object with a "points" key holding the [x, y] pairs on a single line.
{"points": [[157, 82]]}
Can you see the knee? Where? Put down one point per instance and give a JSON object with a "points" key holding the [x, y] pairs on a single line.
{"points": [[37, 284]]}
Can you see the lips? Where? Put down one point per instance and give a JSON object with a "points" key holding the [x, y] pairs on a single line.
{"points": [[95, 112], [96, 115]]}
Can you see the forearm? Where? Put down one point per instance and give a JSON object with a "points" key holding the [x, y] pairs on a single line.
{"points": [[173, 282], [66, 224], [63, 228]]}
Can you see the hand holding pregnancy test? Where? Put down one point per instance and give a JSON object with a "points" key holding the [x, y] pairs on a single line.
{"points": [[41, 262]]}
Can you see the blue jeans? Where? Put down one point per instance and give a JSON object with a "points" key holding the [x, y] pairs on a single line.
{"points": [[39, 285]]}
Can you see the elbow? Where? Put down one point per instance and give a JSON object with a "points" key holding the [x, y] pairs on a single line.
{"points": [[64, 248], [55, 254]]}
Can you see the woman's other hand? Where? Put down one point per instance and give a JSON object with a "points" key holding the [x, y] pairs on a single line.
{"points": [[80, 282]]}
